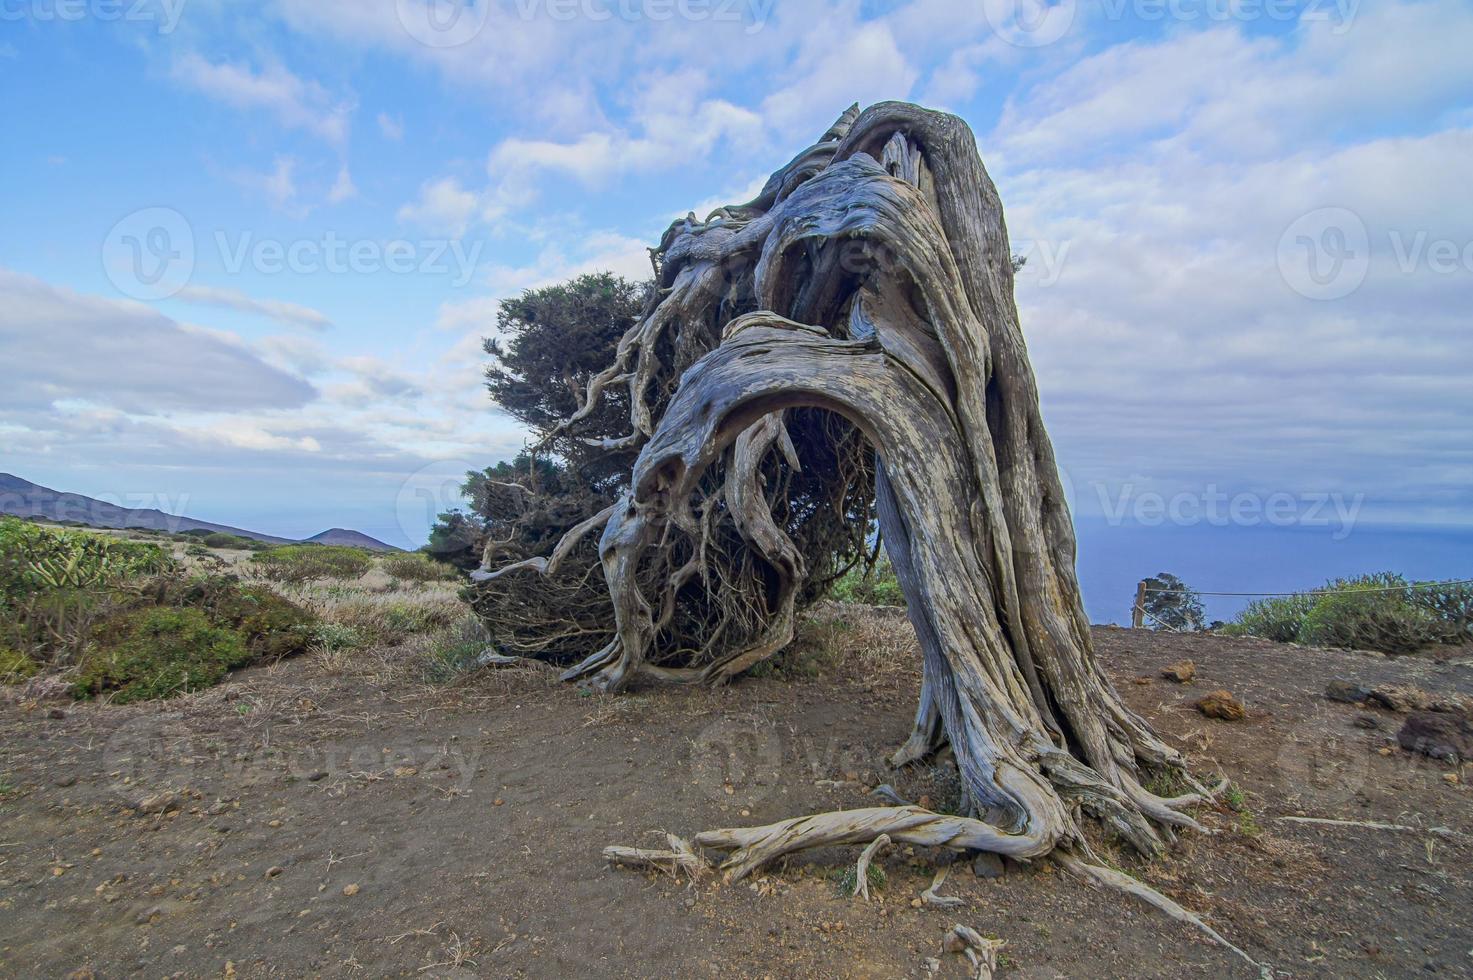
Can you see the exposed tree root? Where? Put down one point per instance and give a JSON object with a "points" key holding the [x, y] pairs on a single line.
{"points": [[930, 899], [1374, 825], [861, 867], [1111, 878], [679, 857], [981, 951]]}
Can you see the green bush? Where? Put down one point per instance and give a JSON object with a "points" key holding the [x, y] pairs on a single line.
{"points": [[337, 636], [1279, 619], [158, 653], [878, 587], [305, 562], [273, 627], [38, 558], [1381, 611], [416, 566], [16, 666], [230, 541]]}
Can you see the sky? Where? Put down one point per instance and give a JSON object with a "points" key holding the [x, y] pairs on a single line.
{"points": [[249, 249]]}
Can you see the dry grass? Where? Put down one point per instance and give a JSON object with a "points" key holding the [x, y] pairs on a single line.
{"points": [[874, 642]]}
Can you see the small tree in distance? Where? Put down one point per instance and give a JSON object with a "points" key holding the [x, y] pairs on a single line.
{"points": [[1172, 604]]}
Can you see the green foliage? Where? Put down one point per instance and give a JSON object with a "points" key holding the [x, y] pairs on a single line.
{"points": [[550, 342], [158, 652], [876, 586], [1279, 619], [305, 562], [1381, 611], [337, 636], [16, 666], [416, 566], [233, 542], [34, 557], [1172, 604], [272, 625], [846, 879]]}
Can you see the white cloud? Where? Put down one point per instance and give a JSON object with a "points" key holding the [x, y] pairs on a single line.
{"points": [[296, 103], [292, 313], [342, 188], [443, 206], [61, 345], [392, 127]]}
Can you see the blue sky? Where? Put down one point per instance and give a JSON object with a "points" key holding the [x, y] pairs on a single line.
{"points": [[249, 249]]}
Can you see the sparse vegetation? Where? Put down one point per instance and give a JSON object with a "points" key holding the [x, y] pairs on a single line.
{"points": [[874, 586]]}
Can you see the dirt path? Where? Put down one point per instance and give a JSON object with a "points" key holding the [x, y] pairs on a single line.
{"points": [[333, 827]]}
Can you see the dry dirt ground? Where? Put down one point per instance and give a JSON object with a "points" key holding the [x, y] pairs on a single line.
{"points": [[331, 824]]}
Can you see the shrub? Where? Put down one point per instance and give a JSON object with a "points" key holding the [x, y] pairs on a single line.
{"points": [[158, 653], [273, 627], [34, 557], [1352, 616], [337, 636], [232, 541], [305, 562], [16, 666], [416, 566], [1279, 619], [1381, 611], [876, 587]]}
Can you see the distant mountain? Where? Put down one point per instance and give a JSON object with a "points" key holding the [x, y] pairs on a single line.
{"points": [[354, 539], [22, 498]]}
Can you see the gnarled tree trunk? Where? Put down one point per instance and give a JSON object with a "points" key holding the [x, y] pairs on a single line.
{"points": [[872, 280]]}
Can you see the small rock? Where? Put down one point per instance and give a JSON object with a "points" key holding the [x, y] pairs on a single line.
{"points": [[497, 802], [1222, 705], [1347, 691], [1384, 750], [1143, 680], [273, 872], [274, 824], [988, 865], [158, 803], [1437, 734], [1450, 777], [313, 777], [350, 890], [1182, 671], [66, 782], [915, 903], [1400, 697], [56, 714], [690, 903], [146, 916]]}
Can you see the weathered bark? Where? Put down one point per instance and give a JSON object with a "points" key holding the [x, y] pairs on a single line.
{"points": [[872, 279]]}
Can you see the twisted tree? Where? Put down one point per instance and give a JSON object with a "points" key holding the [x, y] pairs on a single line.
{"points": [[849, 340]]}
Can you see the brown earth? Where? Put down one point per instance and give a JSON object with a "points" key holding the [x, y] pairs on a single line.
{"points": [[331, 824]]}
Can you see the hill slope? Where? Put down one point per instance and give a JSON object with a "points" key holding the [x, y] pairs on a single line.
{"points": [[354, 539], [22, 498]]}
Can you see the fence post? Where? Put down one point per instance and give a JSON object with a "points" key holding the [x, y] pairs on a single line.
{"points": [[1138, 612]]}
